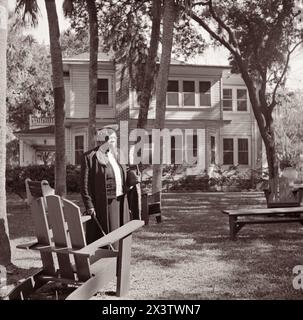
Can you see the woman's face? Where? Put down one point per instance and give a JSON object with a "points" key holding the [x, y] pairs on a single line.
{"points": [[112, 141]]}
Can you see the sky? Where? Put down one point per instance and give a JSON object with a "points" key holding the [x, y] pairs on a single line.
{"points": [[216, 56]]}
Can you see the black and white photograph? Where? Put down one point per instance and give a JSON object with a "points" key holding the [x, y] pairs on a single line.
{"points": [[151, 150]]}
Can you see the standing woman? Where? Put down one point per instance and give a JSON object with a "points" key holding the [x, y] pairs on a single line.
{"points": [[104, 184]]}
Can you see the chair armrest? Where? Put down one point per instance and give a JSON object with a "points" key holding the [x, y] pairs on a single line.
{"points": [[27, 246], [112, 237], [85, 218]]}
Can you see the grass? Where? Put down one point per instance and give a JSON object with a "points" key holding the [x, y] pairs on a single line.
{"points": [[189, 255]]}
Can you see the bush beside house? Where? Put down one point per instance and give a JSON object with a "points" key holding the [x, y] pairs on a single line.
{"points": [[15, 177], [174, 179]]}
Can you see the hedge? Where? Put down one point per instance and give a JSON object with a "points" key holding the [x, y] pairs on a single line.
{"points": [[15, 177]]}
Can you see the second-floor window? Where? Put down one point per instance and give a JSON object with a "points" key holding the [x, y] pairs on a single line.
{"points": [[173, 93], [103, 92], [235, 99], [189, 93]]}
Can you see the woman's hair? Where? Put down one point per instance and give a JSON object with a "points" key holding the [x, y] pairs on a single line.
{"points": [[104, 133]]}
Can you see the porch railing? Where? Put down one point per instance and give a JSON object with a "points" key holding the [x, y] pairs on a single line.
{"points": [[38, 122]]}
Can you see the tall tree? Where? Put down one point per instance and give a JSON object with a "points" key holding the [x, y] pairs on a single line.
{"points": [[5, 252], [169, 18], [260, 37], [93, 70], [59, 96], [28, 65], [150, 65], [125, 30], [30, 11]]}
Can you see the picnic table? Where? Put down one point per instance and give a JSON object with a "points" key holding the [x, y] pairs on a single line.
{"points": [[240, 217]]}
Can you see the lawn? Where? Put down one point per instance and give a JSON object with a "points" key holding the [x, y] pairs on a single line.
{"points": [[189, 255]]}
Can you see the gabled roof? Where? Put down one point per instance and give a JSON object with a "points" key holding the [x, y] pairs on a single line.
{"points": [[35, 131], [109, 57], [105, 57]]}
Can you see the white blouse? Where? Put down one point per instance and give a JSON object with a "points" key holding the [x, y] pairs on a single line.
{"points": [[117, 172]]}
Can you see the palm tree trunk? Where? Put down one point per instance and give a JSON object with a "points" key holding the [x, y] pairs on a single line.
{"points": [[169, 18], [151, 64], [93, 70], [5, 251], [59, 96]]}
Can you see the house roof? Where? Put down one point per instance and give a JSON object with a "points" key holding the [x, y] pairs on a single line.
{"points": [[35, 131], [109, 57], [105, 57]]}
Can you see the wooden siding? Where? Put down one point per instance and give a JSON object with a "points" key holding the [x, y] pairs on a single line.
{"points": [[185, 113], [79, 92], [68, 146], [67, 89]]}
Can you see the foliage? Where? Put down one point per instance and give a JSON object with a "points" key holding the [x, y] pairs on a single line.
{"points": [[12, 153], [288, 121], [74, 43], [124, 28], [221, 176], [29, 89], [260, 36], [15, 177]]}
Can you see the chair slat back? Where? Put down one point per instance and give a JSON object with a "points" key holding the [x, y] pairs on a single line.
{"points": [[72, 215], [37, 189], [281, 192], [60, 236], [43, 233]]}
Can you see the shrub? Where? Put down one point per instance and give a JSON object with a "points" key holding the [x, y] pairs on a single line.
{"points": [[15, 177]]}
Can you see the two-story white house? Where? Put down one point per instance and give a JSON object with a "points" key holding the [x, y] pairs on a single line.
{"points": [[205, 97]]}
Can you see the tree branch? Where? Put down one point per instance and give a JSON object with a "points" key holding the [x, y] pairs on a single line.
{"points": [[222, 24], [274, 102], [223, 41]]}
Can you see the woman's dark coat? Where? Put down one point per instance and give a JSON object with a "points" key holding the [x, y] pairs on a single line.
{"points": [[95, 195]]}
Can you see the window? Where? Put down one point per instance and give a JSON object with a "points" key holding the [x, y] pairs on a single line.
{"points": [[205, 93], [176, 154], [103, 92], [189, 93], [212, 150], [228, 151], [241, 100], [227, 100], [146, 154], [173, 93], [236, 151], [243, 151], [79, 149], [235, 99]]}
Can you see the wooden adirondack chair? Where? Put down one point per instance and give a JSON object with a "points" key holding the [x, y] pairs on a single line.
{"points": [[151, 205], [65, 242], [280, 194], [37, 189]]}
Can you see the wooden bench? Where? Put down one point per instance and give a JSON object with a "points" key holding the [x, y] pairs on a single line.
{"points": [[67, 259], [239, 218]]}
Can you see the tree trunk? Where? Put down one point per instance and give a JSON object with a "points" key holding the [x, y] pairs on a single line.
{"points": [[265, 123], [169, 17], [5, 251], [93, 70], [151, 65], [269, 143], [59, 96]]}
